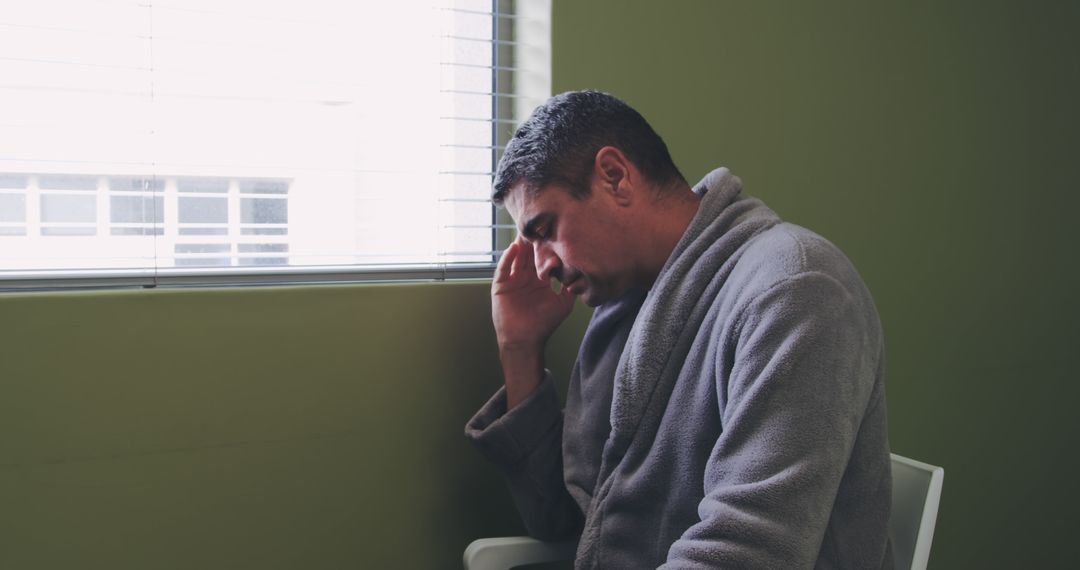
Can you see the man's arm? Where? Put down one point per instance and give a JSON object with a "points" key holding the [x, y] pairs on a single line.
{"points": [[520, 428], [526, 443], [801, 375]]}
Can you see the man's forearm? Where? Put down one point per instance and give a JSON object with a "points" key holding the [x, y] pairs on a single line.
{"points": [[523, 369]]}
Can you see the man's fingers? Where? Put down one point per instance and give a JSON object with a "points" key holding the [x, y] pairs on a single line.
{"points": [[506, 262], [520, 251], [527, 265]]}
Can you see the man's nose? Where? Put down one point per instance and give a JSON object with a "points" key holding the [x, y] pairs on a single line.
{"points": [[547, 263]]}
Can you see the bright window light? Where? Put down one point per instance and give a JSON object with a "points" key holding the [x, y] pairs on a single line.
{"points": [[151, 138]]}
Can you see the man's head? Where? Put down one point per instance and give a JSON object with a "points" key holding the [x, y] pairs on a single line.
{"points": [[558, 145], [595, 195]]}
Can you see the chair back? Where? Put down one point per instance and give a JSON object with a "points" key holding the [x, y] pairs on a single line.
{"points": [[916, 493]]}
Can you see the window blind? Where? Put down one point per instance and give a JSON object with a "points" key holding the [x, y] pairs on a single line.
{"points": [[150, 142]]}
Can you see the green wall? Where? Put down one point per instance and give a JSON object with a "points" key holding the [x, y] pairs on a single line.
{"points": [[935, 143], [320, 427], [315, 427]]}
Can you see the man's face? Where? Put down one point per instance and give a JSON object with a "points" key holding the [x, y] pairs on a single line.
{"points": [[580, 243]]}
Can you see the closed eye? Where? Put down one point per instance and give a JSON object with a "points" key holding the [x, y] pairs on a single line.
{"points": [[539, 228], [543, 232]]}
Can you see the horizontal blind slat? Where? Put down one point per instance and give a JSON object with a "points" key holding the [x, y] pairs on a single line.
{"points": [[456, 191]]}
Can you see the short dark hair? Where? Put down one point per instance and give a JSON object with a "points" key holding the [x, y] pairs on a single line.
{"points": [[559, 141]]}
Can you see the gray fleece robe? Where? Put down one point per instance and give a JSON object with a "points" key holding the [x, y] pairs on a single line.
{"points": [[731, 417]]}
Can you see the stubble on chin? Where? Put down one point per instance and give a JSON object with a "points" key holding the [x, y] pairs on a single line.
{"points": [[591, 297]]}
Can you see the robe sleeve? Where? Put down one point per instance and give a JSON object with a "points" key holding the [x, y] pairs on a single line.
{"points": [[526, 444]]}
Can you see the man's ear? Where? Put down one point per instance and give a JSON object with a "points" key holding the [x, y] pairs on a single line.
{"points": [[615, 175]]}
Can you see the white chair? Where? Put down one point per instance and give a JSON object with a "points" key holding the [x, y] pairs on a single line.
{"points": [[507, 552], [916, 494], [915, 497]]}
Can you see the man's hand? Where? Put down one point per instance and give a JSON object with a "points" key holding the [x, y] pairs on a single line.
{"points": [[525, 312]]}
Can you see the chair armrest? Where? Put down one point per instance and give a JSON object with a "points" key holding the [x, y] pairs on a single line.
{"points": [[506, 552]]}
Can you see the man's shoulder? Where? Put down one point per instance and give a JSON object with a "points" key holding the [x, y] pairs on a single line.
{"points": [[786, 251]]}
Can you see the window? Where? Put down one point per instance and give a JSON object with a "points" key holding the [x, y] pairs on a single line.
{"points": [[206, 141]]}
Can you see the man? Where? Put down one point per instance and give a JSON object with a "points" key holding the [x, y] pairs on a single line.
{"points": [[727, 408]]}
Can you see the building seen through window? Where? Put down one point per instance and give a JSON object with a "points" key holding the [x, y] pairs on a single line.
{"points": [[240, 134]]}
